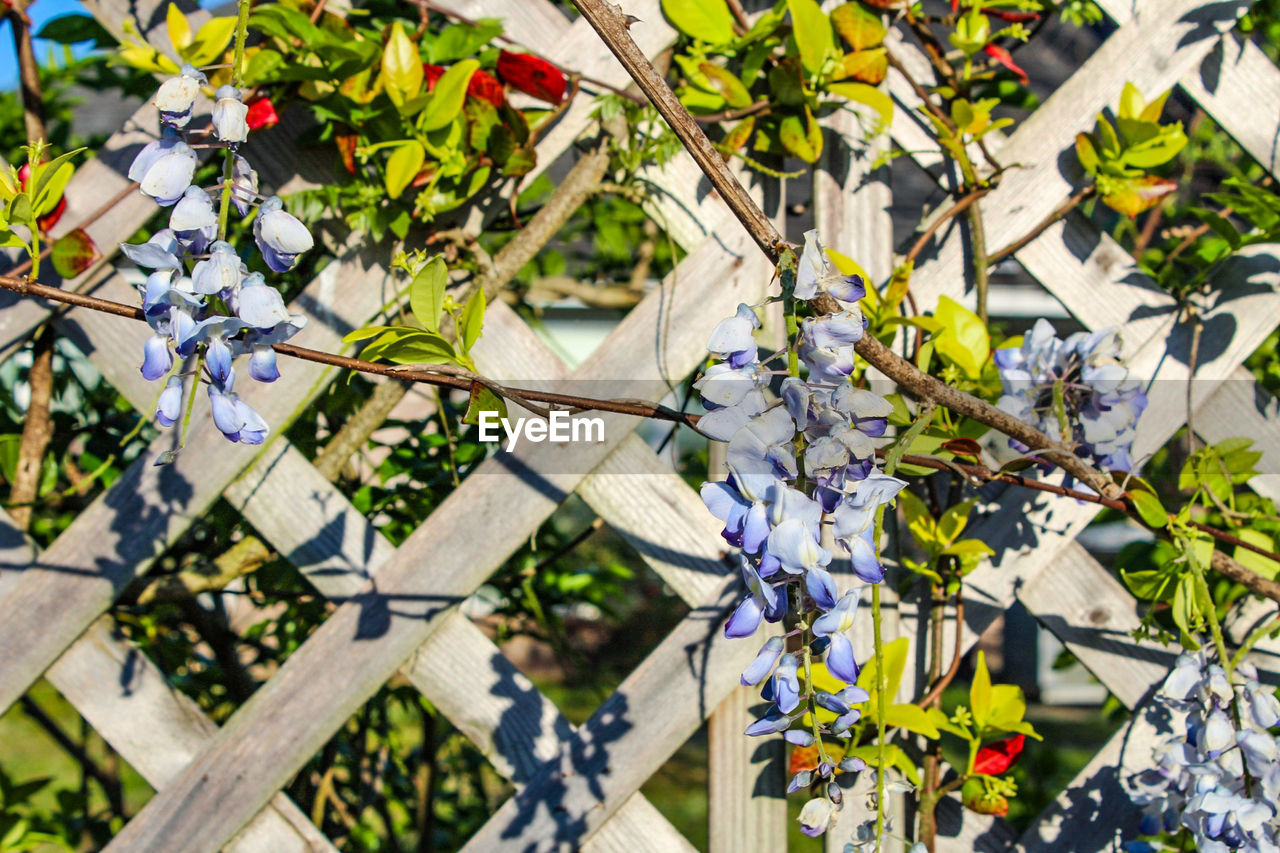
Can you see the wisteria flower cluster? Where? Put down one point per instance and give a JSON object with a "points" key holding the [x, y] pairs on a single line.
{"points": [[777, 498], [200, 299], [1220, 777], [1078, 390]]}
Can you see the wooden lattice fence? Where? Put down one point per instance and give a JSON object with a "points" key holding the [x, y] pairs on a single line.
{"points": [[579, 785]]}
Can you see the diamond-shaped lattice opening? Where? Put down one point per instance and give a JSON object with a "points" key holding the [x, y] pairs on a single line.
{"points": [[399, 770], [55, 767], [220, 611], [577, 613]]}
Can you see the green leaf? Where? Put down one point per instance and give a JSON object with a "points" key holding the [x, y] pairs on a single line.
{"points": [[954, 520], [364, 334], [943, 723], [1185, 611], [10, 240], [446, 98], [1008, 707], [969, 548], [211, 42], [801, 136], [1086, 153], [403, 166], [895, 662], [859, 26], [980, 694], [1150, 508], [426, 294], [920, 524], [73, 253], [1131, 102], [912, 718], [420, 348], [706, 20], [726, 84], [472, 320], [45, 173], [1148, 585], [483, 400], [963, 339], [20, 209], [870, 96], [812, 32], [401, 67], [1264, 566]]}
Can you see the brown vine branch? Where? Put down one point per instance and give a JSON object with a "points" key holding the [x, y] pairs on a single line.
{"points": [[442, 376], [956, 209], [1059, 212]]}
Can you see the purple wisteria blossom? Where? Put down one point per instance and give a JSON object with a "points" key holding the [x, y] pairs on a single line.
{"points": [[1218, 776], [1076, 390], [777, 502], [204, 306]]}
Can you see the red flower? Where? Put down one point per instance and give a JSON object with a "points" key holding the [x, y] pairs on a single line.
{"points": [[995, 758], [999, 54], [532, 75], [432, 73], [1013, 17], [486, 87], [51, 218], [262, 113]]}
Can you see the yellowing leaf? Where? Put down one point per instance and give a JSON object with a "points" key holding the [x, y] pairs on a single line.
{"points": [[866, 66], [801, 136], [74, 253], [1264, 566], [859, 26], [727, 84]]}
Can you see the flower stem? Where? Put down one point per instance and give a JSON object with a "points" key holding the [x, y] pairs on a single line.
{"points": [[237, 78], [881, 685], [191, 398]]}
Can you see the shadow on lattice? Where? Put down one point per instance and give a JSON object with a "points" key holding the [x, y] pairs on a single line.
{"points": [[577, 614]]}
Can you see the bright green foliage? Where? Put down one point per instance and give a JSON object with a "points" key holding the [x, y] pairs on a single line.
{"points": [[1119, 155], [792, 56]]}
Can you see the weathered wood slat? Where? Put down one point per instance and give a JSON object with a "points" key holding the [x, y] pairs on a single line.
{"points": [[375, 633], [155, 727], [119, 534]]}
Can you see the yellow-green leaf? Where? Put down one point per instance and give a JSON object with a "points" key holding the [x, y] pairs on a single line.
{"points": [[963, 339], [1264, 566], [813, 34], [403, 166], [1150, 508], [848, 266], [910, 717], [706, 20], [211, 42], [179, 29], [895, 662], [472, 320], [426, 294], [401, 67], [870, 96], [980, 692], [448, 95]]}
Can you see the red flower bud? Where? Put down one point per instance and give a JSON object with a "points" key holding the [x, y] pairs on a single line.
{"points": [[999, 54], [431, 73], [262, 113], [51, 218], [486, 87], [532, 75], [995, 758]]}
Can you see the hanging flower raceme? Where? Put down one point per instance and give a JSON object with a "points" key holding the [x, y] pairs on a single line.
{"points": [[777, 500], [203, 305], [1218, 776], [1077, 390]]}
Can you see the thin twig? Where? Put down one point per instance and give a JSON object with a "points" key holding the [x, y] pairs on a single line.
{"points": [[935, 692], [960, 206], [1058, 212]]}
